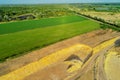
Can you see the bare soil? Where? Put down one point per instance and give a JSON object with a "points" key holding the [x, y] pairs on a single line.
{"points": [[54, 72]]}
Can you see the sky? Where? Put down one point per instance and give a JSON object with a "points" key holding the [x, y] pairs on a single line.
{"points": [[53, 1]]}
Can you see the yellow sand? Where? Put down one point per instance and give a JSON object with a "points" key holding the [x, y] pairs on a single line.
{"points": [[104, 45], [112, 66], [21, 73]]}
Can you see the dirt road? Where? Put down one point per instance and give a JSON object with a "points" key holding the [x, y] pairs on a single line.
{"points": [[100, 73]]}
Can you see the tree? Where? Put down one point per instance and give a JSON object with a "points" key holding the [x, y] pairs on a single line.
{"points": [[0, 18], [6, 18]]}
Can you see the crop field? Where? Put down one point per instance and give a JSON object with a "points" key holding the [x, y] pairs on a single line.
{"points": [[32, 24], [45, 32]]}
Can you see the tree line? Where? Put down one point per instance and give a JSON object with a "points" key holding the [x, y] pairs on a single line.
{"points": [[104, 24], [21, 12]]}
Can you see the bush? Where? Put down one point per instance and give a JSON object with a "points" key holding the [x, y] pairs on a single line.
{"points": [[106, 26]]}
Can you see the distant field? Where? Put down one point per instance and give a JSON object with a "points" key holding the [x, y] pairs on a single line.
{"points": [[32, 24], [28, 39], [110, 17]]}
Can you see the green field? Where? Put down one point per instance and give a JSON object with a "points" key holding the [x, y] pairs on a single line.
{"points": [[28, 39], [27, 25]]}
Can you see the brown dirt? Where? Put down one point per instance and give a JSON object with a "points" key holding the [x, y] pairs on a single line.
{"points": [[88, 75], [92, 39], [54, 72]]}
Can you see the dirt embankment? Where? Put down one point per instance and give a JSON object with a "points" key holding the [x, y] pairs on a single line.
{"points": [[91, 39]]}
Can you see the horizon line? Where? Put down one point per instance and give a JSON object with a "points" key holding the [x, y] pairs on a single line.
{"points": [[62, 3]]}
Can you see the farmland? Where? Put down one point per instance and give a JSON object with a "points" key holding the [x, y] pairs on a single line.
{"points": [[60, 41], [37, 38], [32, 24]]}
